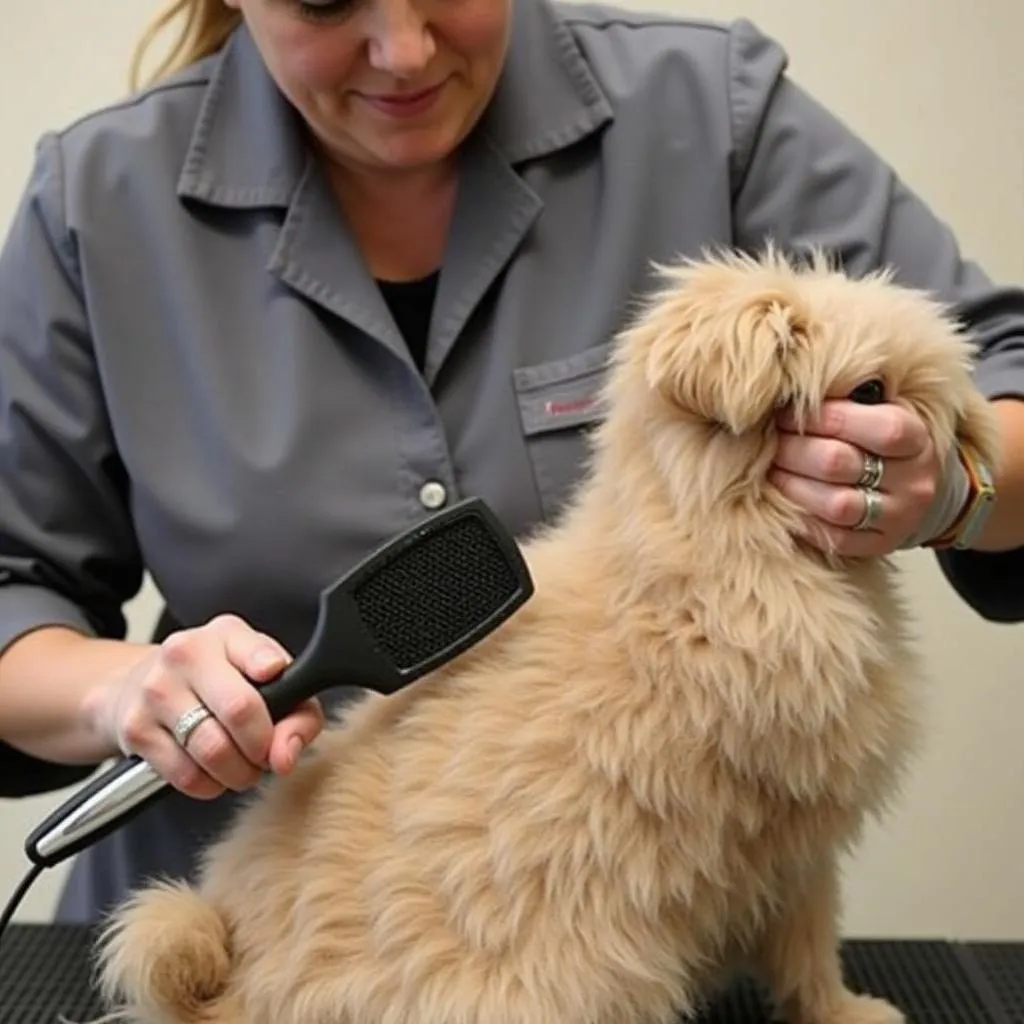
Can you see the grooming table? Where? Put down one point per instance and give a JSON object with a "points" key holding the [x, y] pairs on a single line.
{"points": [[45, 975]]}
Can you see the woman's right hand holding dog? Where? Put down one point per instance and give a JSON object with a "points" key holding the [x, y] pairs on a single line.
{"points": [[213, 666]]}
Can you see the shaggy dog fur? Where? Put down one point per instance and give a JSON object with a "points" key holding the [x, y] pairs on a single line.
{"points": [[647, 776]]}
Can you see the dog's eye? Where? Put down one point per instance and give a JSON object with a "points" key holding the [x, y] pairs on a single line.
{"points": [[871, 392]]}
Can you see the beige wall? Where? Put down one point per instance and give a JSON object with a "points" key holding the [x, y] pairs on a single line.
{"points": [[938, 85]]}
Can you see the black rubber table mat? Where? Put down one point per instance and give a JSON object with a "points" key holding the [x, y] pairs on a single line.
{"points": [[45, 975]]}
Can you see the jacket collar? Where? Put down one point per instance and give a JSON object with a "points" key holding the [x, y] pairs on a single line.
{"points": [[247, 149]]}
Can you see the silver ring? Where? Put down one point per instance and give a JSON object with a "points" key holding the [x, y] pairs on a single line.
{"points": [[872, 508], [871, 474], [186, 723]]}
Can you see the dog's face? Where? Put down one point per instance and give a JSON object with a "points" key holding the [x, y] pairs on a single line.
{"points": [[731, 340]]}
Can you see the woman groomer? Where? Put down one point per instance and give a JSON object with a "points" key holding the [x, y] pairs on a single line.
{"points": [[342, 264]]}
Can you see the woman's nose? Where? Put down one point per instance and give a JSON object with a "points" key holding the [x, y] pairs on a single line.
{"points": [[401, 42]]}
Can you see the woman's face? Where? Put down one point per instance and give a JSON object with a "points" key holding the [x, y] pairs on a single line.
{"points": [[384, 84]]}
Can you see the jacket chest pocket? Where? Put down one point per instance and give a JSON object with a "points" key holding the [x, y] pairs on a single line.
{"points": [[559, 402]]}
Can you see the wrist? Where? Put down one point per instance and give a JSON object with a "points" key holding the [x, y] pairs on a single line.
{"points": [[98, 717], [951, 502], [57, 694], [1004, 529], [964, 530]]}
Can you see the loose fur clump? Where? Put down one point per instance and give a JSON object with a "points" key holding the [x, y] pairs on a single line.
{"points": [[647, 777]]}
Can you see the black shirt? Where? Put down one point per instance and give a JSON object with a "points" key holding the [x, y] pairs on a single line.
{"points": [[411, 304]]}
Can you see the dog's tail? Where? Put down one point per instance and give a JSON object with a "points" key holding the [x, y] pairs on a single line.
{"points": [[166, 955]]}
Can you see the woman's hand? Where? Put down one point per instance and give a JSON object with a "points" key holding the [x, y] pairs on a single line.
{"points": [[213, 666], [826, 471]]}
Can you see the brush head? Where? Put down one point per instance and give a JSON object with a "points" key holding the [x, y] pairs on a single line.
{"points": [[414, 604], [426, 596]]}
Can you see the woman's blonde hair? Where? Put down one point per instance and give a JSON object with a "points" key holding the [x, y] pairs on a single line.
{"points": [[204, 28]]}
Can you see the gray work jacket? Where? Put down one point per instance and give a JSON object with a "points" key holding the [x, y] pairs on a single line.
{"points": [[198, 376]]}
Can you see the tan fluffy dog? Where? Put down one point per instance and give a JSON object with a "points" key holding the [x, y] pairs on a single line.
{"points": [[646, 776]]}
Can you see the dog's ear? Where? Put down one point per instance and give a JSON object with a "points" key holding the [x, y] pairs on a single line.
{"points": [[727, 346]]}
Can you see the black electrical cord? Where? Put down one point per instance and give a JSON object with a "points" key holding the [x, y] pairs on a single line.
{"points": [[19, 894]]}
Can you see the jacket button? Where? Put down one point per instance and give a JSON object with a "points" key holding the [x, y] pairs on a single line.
{"points": [[433, 495]]}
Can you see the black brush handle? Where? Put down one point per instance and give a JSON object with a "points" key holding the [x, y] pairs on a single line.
{"points": [[340, 638]]}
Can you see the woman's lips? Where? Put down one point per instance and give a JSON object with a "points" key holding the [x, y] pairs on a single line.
{"points": [[409, 104]]}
